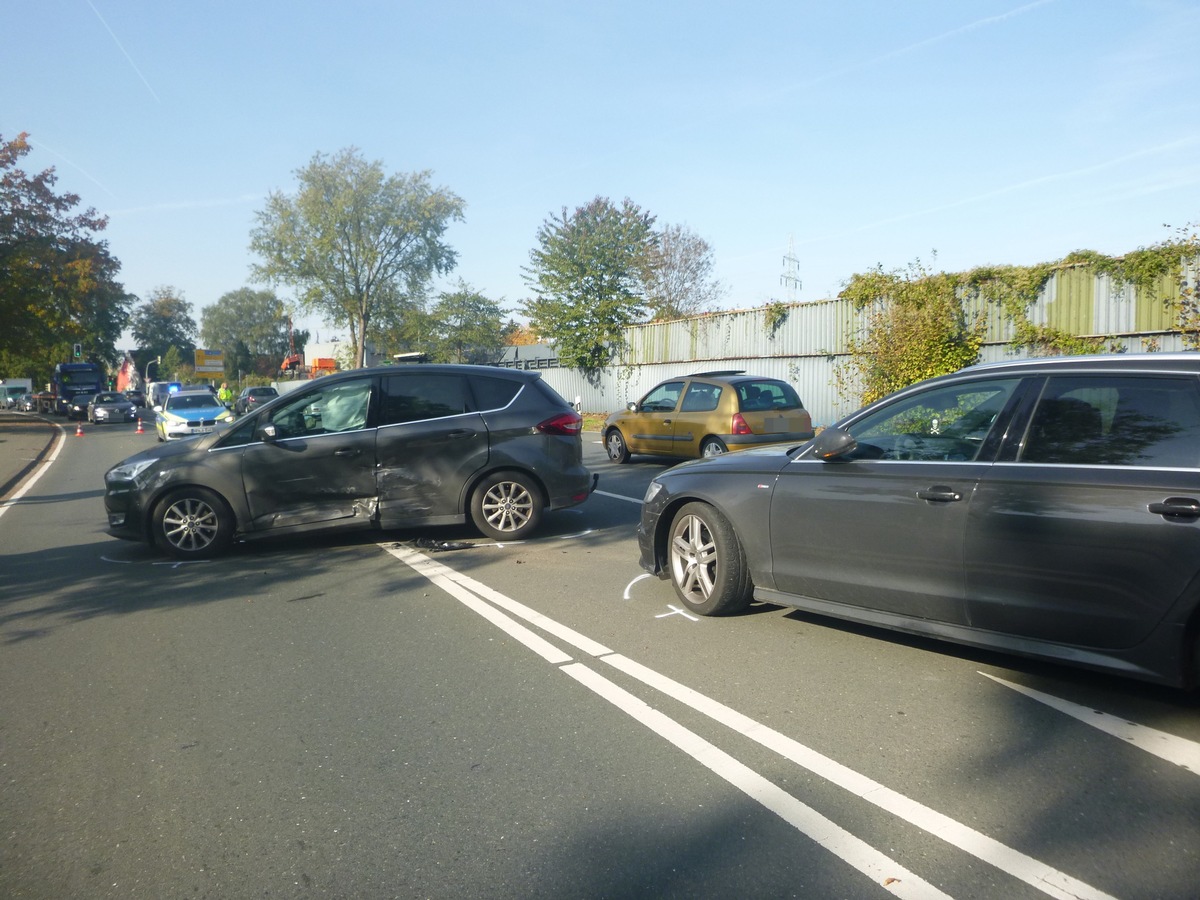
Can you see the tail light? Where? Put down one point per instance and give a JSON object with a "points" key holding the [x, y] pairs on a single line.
{"points": [[568, 423], [739, 426]]}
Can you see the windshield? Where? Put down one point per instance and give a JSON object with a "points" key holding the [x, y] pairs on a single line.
{"points": [[190, 401]]}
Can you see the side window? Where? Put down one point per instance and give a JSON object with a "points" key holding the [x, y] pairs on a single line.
{"points": [[412, 398], [663, 398], [340, 407], [701, 398], [1109, 420], [948, 423]]}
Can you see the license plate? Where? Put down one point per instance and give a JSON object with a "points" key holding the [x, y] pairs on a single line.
{"points": [[205, 430]]}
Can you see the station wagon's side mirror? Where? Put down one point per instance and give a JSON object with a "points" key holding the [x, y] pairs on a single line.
{"points": [[157, 408], [833, 443], [266, 433]]}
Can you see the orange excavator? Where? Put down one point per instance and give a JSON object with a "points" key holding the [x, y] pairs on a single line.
{"points": [[293, 360]]}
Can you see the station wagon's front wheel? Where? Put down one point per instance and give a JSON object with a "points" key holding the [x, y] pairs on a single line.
{"points": [[507, 506], [192, 523], [706, 562]]}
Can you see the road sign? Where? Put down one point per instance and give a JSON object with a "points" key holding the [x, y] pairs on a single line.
{"points": [[210, 362]]}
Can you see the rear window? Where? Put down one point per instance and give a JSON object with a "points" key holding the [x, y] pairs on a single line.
{"points": [[756, 396]]}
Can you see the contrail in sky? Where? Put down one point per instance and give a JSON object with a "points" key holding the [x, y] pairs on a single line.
{"points": [[936, 39], [117, 41], [1180, 144]]}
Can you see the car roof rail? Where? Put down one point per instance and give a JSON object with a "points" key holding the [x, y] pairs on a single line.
{"points": [[719, 373]]}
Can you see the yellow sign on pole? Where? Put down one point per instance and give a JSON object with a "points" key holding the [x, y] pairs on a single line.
{"points": [[210, 362]]}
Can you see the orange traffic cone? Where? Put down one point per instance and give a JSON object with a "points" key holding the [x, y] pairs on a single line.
{"points": [[79, 430], [140, 430]]}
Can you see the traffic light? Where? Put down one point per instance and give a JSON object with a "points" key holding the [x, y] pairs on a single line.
{"points": [[78, 351]]}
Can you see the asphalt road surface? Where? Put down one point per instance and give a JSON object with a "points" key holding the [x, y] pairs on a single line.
{"points": [[355, 716]]}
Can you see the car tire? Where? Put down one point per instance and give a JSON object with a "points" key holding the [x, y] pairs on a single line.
{"points": [[507, 506], [713, 447], [192, 523], [614, 444], [706, 562]]}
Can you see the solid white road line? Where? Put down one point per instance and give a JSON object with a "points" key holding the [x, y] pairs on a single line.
{"points": [[1031, 871], [45, 467], [877, 866], [1166, 746]]}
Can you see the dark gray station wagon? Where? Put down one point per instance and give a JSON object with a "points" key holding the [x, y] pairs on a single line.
{"points": [[388, 447], [1044, 507]]}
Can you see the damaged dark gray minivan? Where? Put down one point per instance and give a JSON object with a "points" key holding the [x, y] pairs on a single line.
{"points": [[389, 447]]}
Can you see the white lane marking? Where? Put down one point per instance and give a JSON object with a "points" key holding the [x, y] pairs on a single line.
{"points": [[629, 587], [1026, 868], [1033, 872], [1162, 744], [435, 572], [855, 852], [33, 479], [429, 567], [617, 496], [880, 868]]}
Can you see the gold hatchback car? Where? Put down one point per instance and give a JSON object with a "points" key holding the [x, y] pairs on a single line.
{"points": [[707, 414]]}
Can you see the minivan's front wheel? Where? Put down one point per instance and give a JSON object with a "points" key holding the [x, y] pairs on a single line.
{"points": [[507, 506], [192, 523], [707, 564]]}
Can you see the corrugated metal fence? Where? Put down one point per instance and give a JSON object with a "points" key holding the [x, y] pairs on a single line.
{"points": [[805, 345]]}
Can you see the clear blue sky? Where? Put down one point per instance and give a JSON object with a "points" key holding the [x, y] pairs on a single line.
{"points": [[872, 132]]}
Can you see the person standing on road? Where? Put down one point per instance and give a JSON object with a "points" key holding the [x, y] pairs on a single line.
{"points": [[225, 395]]}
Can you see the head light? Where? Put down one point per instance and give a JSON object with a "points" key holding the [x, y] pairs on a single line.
{"points": [[652, 490], [127, 471]]}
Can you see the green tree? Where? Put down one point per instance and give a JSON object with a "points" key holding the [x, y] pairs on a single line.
{"points": [[251, 327], [586, 274], [58, 282], [914, 327], [164, 321], [678, 280], [355, 243], [469, 327]]}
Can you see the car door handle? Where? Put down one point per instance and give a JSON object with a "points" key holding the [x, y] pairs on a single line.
{"points": [[1176, 508], [347, 451], [939, 494], [459, 434]]}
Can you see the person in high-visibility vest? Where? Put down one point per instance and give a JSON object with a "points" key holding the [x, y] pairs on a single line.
{"points": [[225, 395]]}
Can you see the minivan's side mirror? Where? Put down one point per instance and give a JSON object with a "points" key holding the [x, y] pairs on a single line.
{"points": [[833, 443], [266, 433]]}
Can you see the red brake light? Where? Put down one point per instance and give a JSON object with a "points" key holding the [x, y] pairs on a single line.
{"points": [[739, 426], [568, 423]]}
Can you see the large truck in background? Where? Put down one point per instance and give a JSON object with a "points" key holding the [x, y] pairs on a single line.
{"points": [[71, 379], [12, 388]]}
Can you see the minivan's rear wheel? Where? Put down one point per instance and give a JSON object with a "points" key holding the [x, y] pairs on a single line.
{"points": [[507, 506], [614, 443], [707, 565], [192, 523]]}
